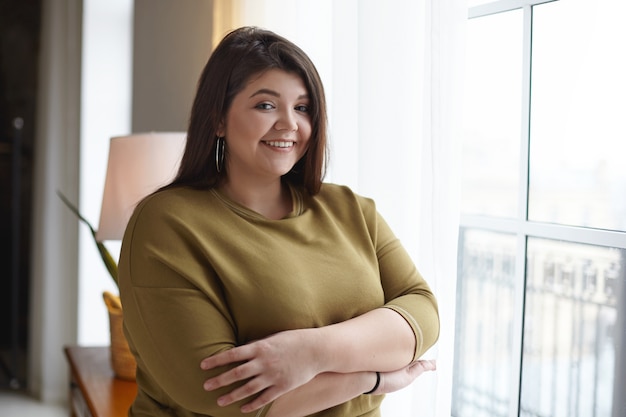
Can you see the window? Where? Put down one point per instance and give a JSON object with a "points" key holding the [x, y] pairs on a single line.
{"points": [[541, 300]]}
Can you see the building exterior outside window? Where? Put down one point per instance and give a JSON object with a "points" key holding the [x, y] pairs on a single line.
{"points": [[541, 301]]}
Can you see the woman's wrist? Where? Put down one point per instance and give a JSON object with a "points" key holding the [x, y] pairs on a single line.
{"points": [[318, 352], [376, 384]]}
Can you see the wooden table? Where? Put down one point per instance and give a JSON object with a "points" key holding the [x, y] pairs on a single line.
{"points": [[94, 391]]}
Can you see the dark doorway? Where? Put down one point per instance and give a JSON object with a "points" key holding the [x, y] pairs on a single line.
{"points": [[19, 54]]}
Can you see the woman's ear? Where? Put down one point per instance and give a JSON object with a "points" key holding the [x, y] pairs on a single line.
{"points": [[221, 129]]}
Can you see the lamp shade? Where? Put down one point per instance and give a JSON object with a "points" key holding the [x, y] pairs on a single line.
{"points": [[138, 165]]}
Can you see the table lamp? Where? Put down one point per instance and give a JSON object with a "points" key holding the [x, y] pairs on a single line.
{"points": [[138, 165]]}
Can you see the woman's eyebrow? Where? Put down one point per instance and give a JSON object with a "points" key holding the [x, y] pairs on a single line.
{"points": [[265, 91], [274, 93]]}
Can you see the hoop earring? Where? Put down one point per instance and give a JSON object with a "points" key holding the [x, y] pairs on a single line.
{"points": [[219, 153]]}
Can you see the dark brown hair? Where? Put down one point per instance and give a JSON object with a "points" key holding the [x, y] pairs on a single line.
{"points": [[242, 54]]}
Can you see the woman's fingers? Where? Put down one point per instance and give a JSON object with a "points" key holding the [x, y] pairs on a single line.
{"points": [[265, 398], [255, 386], [237, 354], [249, 389], [238, 373], [422, 366], [395, 380], [267, 395]]}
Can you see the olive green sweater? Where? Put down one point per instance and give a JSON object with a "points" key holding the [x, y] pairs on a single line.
{"points": [[200, 273]]}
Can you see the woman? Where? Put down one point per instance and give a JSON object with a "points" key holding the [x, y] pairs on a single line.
{"points": [[250, 286]]}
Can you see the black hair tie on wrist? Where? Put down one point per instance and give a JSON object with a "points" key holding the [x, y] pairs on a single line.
{"points": [[376, 385]]}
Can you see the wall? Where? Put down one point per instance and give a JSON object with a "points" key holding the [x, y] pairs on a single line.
{"points": [[105, 84], [54, 244], [171, 44]]}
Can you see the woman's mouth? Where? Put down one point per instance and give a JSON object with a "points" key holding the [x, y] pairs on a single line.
{"points": [[279, 143]]}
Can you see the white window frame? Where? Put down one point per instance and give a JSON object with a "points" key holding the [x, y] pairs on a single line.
{"points": [[520, 226]]}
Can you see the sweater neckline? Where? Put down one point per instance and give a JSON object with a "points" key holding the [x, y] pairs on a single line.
{"points": [[296, 210]]}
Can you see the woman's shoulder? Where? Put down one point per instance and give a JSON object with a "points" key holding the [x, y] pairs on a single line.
{"points": [[182, 195], [339, 191], [338, 195], [171, 201]]}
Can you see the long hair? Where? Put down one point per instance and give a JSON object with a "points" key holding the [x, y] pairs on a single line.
{"points": [[242, 54]]}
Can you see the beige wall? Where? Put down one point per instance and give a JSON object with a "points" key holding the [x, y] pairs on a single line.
{"points": [[171, 43]]}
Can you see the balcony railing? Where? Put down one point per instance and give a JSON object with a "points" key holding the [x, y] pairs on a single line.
{"points": [[570, 348]]}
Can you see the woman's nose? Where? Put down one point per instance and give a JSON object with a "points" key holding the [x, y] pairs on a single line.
{"points": [[286, 121]]}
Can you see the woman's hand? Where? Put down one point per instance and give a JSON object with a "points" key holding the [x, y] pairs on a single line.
{"points": [[396, 380], [271, 367]]}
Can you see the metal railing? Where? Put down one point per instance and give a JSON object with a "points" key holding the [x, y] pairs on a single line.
{"points": [[572, 309]]}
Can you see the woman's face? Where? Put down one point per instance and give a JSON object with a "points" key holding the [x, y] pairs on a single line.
{"points": [[267, 127]]}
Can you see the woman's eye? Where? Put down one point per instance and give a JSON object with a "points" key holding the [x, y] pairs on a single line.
{"points": [[265, 106], [302, 108]]}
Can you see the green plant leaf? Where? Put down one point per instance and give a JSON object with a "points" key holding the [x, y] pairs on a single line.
{"points": [[108, 260]]}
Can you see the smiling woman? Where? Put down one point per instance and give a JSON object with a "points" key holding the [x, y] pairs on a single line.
{"points": [[247, 283]]}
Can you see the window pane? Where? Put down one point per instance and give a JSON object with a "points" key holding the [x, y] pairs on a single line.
{"points": [[578, 145], [483, 362], [492, 114], [574, 315]]}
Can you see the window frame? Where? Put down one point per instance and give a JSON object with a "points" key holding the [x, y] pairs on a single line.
{"points": [[520, 226]]}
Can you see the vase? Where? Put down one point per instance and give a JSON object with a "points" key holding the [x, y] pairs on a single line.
{"points": [[122, 360]]}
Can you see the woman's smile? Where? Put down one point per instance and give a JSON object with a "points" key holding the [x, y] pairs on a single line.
{"points": [[280, 144]]}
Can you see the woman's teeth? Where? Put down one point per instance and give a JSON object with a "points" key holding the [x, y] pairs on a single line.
{"points": [[279, 144]]}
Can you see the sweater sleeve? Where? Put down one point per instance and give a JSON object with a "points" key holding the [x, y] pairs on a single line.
{"points": [[174, 313], [406, 291]]}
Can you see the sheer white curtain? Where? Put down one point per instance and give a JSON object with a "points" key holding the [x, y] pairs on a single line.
{"points": [[392, 72]]}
